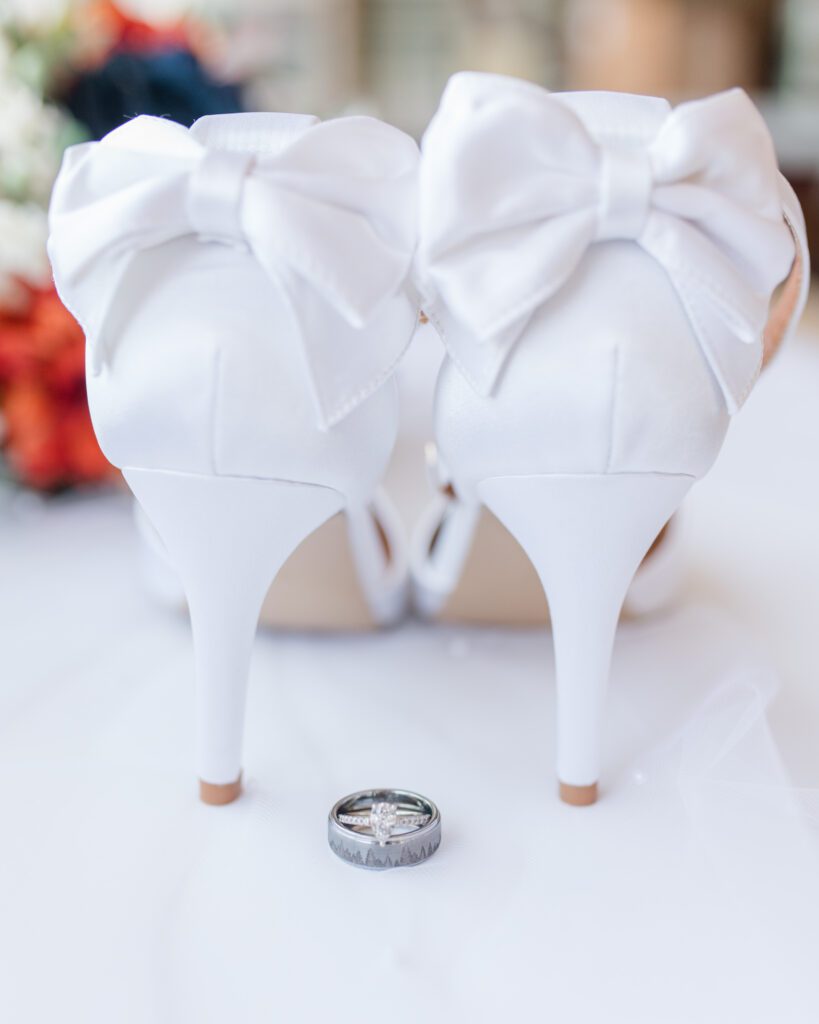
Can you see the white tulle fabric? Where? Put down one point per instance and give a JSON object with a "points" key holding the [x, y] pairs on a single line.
{"points": [[517, 183], [332, 205]]}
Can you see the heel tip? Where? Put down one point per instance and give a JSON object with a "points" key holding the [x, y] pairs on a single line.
{"points": [[578, 796], [217, 795]]}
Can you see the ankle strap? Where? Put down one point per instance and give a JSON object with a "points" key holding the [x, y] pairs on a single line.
{"points": [[788, 306]]}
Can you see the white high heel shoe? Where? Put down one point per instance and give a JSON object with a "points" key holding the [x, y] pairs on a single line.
{"points": [[352, 574], [467, 569], [600, 269], [243, 286]]}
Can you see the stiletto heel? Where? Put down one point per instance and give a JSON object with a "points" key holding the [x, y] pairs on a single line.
{"points": [[227, 537], [600, 268], [585, 536], [244, 290]]}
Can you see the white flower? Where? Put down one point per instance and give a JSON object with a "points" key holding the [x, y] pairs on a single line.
{"points": [[34, 15], [23, 257], [156, 11], [29, 143]]}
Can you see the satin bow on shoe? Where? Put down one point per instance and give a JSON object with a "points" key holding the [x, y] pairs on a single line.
{"points": [[517, 183], [333, 208]]}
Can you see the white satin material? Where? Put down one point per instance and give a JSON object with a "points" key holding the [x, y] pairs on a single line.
{"points": [[517, 184], [330, 205]]}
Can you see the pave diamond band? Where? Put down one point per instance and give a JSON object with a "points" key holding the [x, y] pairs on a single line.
{"points": [[384, 828], [383, 822]]}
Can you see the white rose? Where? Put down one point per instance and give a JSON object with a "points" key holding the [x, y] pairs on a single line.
{"points": [[23, 257], [29, 143], [34, 15]]}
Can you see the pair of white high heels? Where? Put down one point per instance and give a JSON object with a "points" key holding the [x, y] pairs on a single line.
{"points": [[600, 268]]}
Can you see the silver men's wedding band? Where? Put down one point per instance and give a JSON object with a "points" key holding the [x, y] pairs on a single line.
{"points": [[384, 828]]}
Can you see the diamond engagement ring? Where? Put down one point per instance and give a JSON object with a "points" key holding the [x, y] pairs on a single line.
{"points": [[384, 828]]}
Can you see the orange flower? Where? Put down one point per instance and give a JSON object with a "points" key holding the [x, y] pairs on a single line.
{"points": [[83, 457], [48, 438], [104, 28], [18, 354], [32, 439]]}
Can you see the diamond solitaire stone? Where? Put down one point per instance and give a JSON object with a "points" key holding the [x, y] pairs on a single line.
{"points": [[383, 819]]}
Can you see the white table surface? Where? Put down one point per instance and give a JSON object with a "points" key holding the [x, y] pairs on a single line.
{"points": [[689, 893]]}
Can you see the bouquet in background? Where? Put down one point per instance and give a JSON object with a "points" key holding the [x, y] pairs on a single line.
{"points": [[46, 437], [70, 70]]}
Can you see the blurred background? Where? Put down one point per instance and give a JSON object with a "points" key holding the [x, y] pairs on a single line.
{"points": [[75, 69]]}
